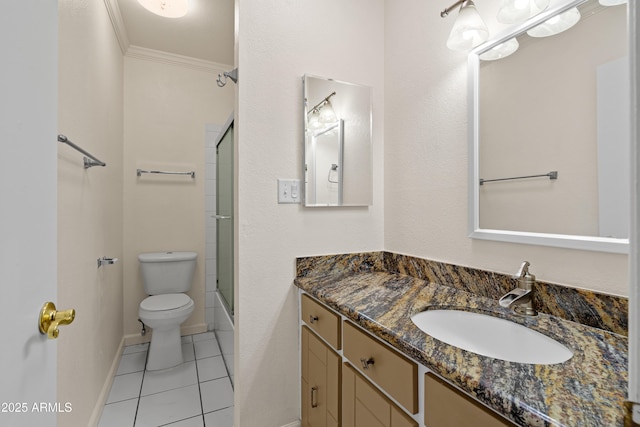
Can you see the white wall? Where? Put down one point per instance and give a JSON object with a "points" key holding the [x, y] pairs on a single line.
{"points": [[426, 160], [280, 41], [89, 206], [166, 108]]}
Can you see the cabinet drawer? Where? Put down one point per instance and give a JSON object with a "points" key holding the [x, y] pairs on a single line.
{"points": [[444, 406], [364, 406], [392, 371], [322, 321]]}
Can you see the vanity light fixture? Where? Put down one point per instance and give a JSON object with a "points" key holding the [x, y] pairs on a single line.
{"points": [[321, 114], [469, 30], [166, 8], [557, 24], [327, 115], [517, 11], [612, 2], [501, 51]]}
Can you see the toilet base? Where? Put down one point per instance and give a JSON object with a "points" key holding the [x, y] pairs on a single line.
{"points": [[165, 350]]}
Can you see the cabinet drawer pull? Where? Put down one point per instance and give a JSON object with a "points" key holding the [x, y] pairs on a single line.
{"points": [[313, 318], [314, 396], [366, 362]]}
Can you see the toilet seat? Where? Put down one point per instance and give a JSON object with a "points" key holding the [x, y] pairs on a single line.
{"points": [[165, 302], [165, 307]]}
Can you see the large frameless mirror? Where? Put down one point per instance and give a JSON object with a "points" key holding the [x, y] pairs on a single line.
{"points": [[549, 131], [337, 143]]}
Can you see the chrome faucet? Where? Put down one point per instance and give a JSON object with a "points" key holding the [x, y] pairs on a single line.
{"points": [[520, 299]]}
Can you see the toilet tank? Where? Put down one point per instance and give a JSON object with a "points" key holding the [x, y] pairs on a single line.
{"points": [[167, 272]]}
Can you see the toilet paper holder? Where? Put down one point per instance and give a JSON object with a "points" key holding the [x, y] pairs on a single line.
{"points": [[106, 261]]}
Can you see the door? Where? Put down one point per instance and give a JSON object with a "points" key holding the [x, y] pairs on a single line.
{"points": [[28, 191], [224, 217]]}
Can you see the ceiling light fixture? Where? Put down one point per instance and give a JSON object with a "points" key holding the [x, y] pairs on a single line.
{"points": [[469, 30], [166, 8], [518, 11]]}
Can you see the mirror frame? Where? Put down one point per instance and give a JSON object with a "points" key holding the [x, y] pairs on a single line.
{"points": [[591, 243]]}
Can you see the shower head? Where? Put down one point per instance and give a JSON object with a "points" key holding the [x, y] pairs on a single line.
{"points": [[233, 75]]}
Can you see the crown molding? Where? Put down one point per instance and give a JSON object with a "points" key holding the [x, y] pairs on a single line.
{"points": [[174, 59], [118, 24]]}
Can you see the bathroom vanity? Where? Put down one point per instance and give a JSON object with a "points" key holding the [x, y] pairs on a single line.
{"points": [[365, 363]]}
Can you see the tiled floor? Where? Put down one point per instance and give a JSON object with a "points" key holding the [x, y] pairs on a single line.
{"points": [[197, 393]]}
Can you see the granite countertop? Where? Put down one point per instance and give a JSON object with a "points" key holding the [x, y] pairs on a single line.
{"points": [[587, 390]]}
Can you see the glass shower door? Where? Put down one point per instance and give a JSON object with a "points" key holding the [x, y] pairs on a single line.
{"points": [[224, 218]]}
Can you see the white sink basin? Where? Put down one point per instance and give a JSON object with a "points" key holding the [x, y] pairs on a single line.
{"points": [[491, 336]]}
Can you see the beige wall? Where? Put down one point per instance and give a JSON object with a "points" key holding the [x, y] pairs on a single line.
{"points": [[426, 160], [89, 206], [166, 108], [280, 41], [556, 131]]}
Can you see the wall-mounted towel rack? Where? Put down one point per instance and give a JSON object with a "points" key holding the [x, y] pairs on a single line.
{"points": [[551, 175], [139, 172], [89, 160]]}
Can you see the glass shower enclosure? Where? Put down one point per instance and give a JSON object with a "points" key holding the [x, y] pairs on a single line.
{"points": [[224, 218]]}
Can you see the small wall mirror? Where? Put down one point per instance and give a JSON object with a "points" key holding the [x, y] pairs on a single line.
{"points": [[550, 132], [337, 143]]}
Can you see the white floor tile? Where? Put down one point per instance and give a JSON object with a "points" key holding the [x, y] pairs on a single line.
{"points": [[121, 414], [211, 368], [191, 422], [204, 336], [216, 394], [221, 418], [133, 362], [172, 397], [125, 387], [136, 348], [187, 352], [208, 348], [169, 406], [168, 379]]}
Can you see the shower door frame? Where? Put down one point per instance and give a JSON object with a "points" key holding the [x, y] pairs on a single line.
{"points": [[225, 254]]}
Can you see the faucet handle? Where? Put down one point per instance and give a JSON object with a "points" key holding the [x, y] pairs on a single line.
{"points": [[523, 270]]}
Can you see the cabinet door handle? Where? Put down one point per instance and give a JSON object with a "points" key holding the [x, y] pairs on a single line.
{"points": [[366, 362], [313, 318], [314, 396]]}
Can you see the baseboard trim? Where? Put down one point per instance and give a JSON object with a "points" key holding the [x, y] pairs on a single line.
{"points": [[194, 329], [293, 424], [106, 388], [133, 339]]}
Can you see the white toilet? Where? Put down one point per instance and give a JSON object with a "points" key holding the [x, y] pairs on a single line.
{"points": [[166, 276]]}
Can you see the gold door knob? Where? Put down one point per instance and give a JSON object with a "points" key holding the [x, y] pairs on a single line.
{"points": [[50, 319]]}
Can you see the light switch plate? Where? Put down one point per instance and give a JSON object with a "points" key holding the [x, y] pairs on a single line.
{"points": [[288, 191]]}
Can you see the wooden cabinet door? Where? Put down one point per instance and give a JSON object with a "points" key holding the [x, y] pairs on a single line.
{"points": [[364, 406], [444, 406], [320, 382]]}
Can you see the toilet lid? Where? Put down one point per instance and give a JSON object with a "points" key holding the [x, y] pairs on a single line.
{"points": [[164, 302]]}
